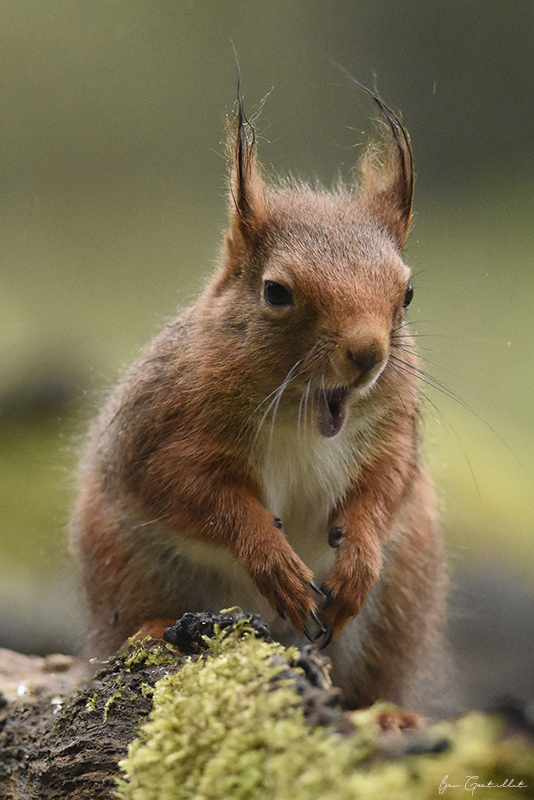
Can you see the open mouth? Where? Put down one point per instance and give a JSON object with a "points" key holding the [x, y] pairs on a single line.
{"points": [[332, 410]]}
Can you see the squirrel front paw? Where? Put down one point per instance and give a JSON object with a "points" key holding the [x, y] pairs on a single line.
{"points": [[284, 582], [348, 585], [342, 605]]}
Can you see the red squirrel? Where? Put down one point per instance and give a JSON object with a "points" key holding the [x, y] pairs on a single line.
{"points": [[264, 450]]}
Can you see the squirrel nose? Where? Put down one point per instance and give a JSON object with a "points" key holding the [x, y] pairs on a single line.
{"points": [[366, 356]]}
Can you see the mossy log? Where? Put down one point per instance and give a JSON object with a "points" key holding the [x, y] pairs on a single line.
{"points": [[69, 747], [239, 717]]}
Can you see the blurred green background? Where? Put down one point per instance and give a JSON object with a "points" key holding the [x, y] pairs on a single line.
{"points": [[112, 203]]}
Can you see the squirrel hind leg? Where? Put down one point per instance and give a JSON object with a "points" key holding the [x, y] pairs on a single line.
{"points": [[152, 628], [398, 721]]}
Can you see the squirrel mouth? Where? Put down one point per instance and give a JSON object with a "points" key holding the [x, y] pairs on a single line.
{"points": [[332, 410]]}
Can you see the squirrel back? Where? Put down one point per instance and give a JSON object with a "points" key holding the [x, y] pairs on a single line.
{"points": [[264, 451]]}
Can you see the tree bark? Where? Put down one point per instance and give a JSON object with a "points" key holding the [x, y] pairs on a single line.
{"points": [[70, 746]]}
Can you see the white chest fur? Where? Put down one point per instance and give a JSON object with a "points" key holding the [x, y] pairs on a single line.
{"points": [[304, 476]]}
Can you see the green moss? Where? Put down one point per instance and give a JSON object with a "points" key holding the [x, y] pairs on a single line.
{"points": [[147, 690], [143, 652], [113, 699], [92, 703], [156, 655], [219, 729]]}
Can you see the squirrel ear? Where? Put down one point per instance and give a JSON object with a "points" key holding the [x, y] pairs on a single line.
{"points": [[388, 178], [246, 187]]}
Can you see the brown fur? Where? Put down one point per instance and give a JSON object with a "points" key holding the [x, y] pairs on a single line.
{"points": [[243, 410]]}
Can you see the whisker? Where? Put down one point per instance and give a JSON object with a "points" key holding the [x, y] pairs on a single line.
{"points": [[436, 384], [275, 397], [396, 341], [430, 380], [400, 371], [414, 389], [289, 377], [276, 404], [303, 406], [300, 367], [417, 351], [299, 415], [308, 399]]}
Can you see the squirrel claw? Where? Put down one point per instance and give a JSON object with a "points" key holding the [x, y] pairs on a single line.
{"points": [[316, 589], [307, 634], [323, 631], [325, 637], [328, 594], [319, 623]]}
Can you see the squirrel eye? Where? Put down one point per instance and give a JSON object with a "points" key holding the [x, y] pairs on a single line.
{"points": [[276, 294], [408, 297]]}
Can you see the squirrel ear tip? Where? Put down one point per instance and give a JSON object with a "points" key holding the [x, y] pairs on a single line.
{"points": [[388, 195]]}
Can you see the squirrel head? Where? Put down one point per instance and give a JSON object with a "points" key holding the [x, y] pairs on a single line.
{"points": [[312, 284]]}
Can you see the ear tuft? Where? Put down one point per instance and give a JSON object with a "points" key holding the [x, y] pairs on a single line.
{"points": [[388, 174], [246, 187]]}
